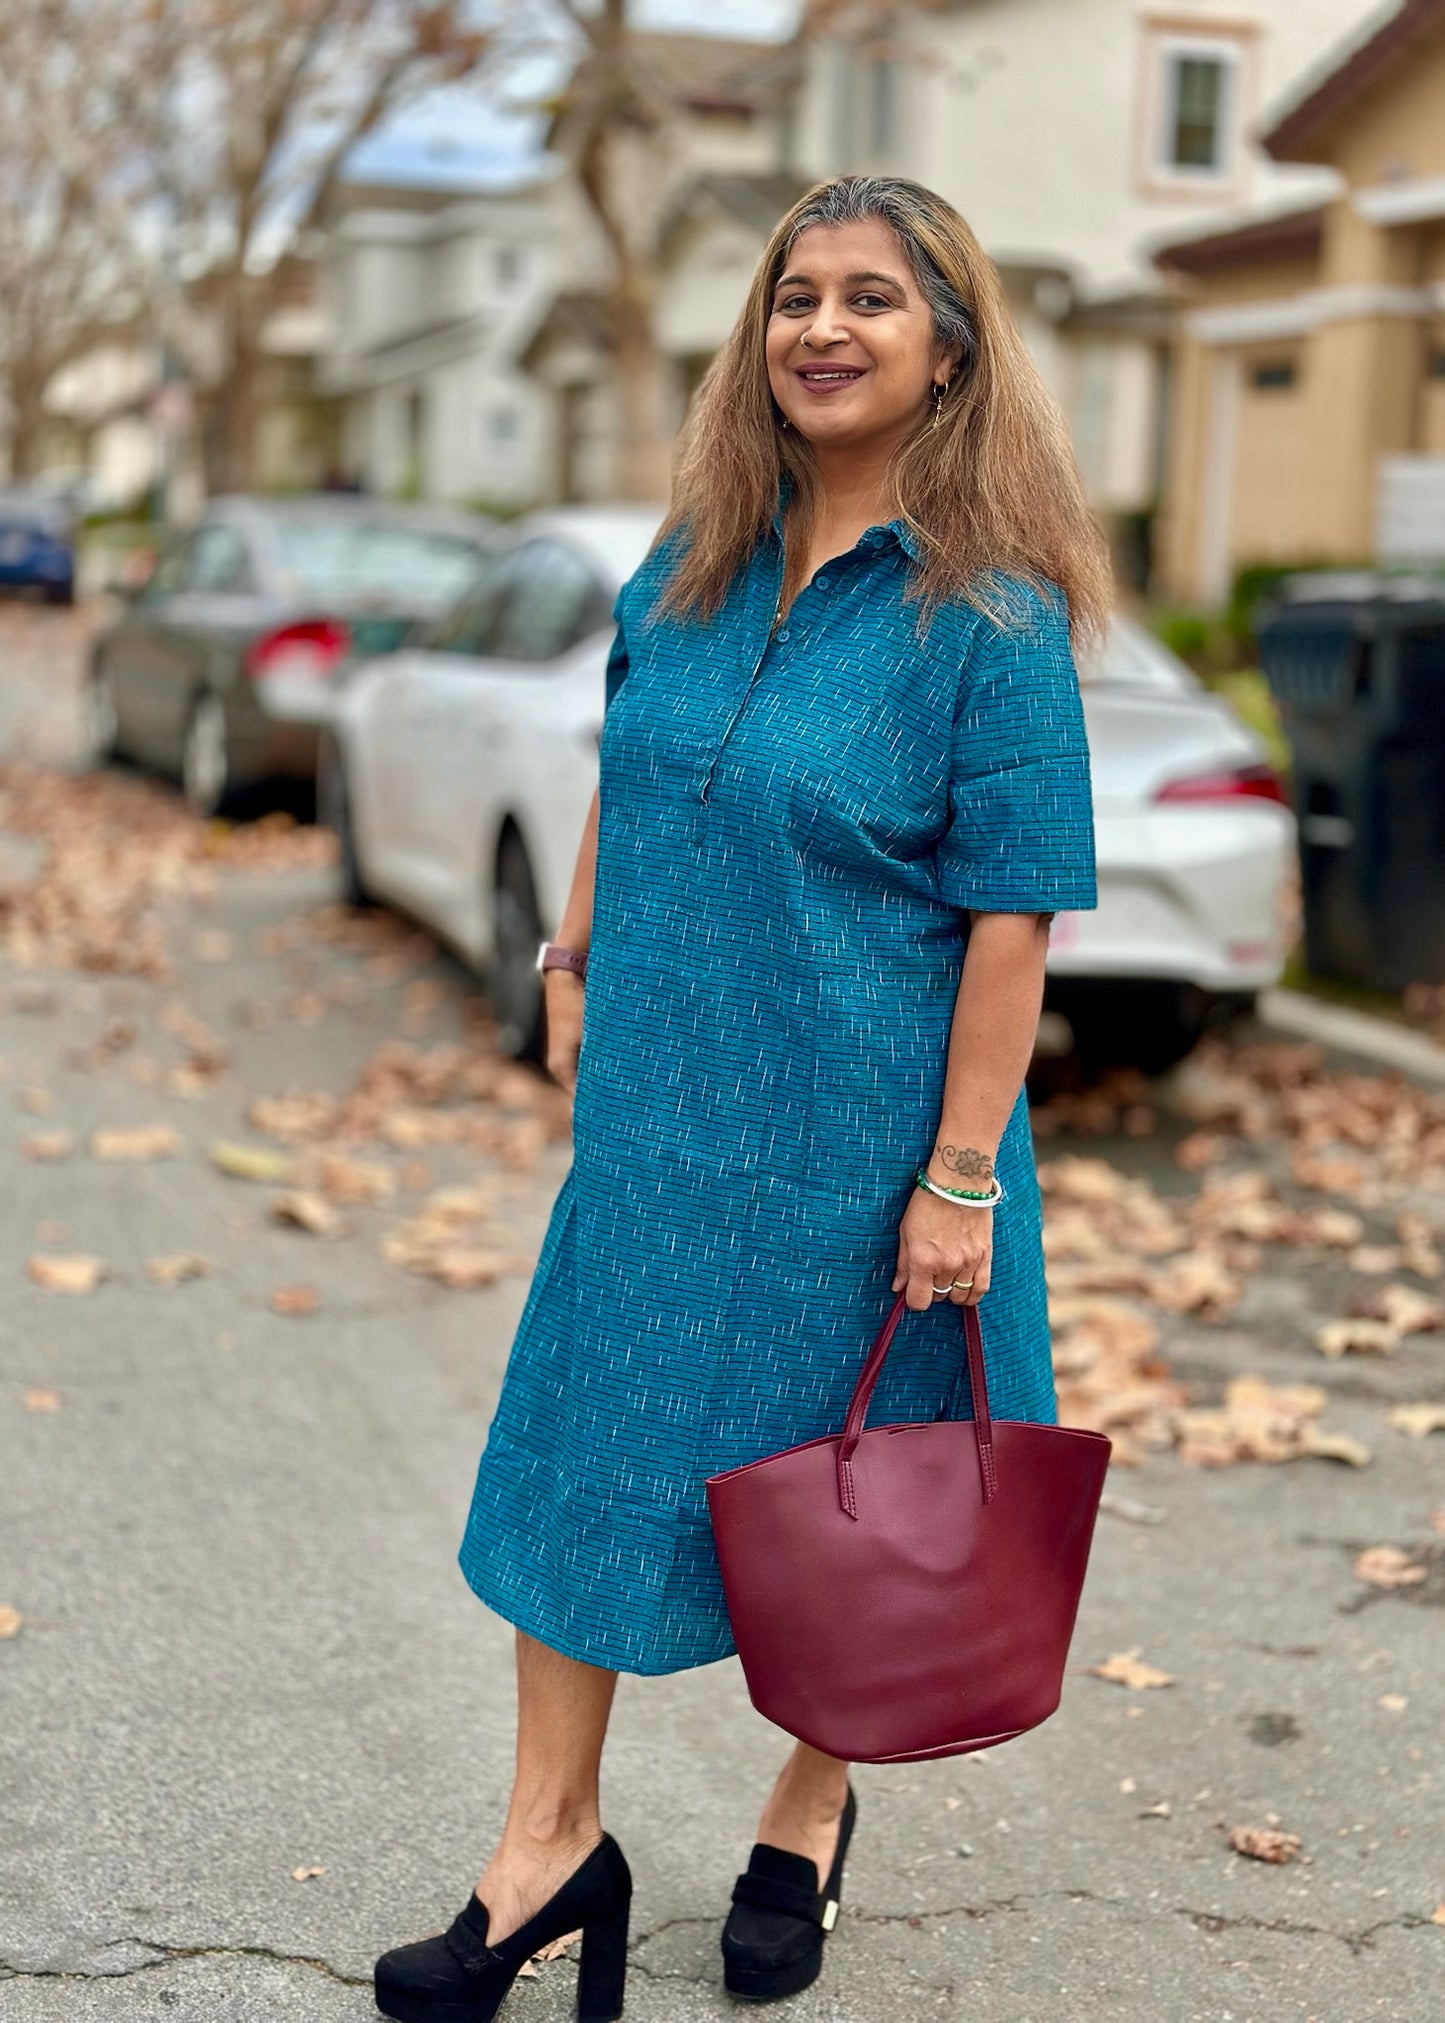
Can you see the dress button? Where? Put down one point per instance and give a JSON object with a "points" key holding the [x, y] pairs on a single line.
{"points": [[783, 633], [824, 582]]}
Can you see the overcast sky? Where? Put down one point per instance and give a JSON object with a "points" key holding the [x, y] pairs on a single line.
{"points": [[460, 133]]}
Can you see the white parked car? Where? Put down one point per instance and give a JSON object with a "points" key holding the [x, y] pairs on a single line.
{"points": [[458, 774]]}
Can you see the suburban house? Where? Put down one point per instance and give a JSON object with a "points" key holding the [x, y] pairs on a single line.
{"points": [[470, 342], [1072, 134], [1309, 395], [132, 414]]}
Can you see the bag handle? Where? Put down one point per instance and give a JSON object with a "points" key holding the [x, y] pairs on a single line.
{"points": [[863, 1395]]}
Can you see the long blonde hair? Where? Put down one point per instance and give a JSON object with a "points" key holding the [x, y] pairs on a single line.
{"points": [[993, 489]]}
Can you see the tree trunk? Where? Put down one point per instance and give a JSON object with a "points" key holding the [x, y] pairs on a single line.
{"points": [[238, 398], [24, 397], [642, 456]]}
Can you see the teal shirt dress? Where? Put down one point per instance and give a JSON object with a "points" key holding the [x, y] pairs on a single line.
{"points": [[792, 832]]}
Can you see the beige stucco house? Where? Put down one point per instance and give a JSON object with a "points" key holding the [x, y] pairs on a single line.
{"points": [[1073, 134], [1308, 398]]}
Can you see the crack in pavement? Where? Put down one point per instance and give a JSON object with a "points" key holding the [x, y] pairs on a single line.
{"points": [[164, 1952], [1358, 1942]]}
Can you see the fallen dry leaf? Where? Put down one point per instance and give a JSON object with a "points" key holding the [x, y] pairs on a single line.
{"points": [[1393, 1703], [36, 1101], [1327, 1446], [177, 1266], [311, 1212], [354, 1182], [48, 1145], [145, 1141], [1360, 1337], [1265, 1843], [295, 1299], [1127, 1668], [1410, 1312], [251, 1162], [1417, 1420], [1388, 1567], [10, 1621], [73, 1274], [1436, 1519], [295, 1116], [1437, 1916], [40, 1400], [1375, 1260], [1197, 1284], [304, 1875], [555, 1948], [1198, 1150]]}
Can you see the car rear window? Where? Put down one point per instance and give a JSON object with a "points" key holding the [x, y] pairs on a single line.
{"points": [[47, 515], [328, 559]]}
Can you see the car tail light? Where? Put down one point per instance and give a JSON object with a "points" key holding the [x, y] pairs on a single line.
{"points": [[1239, 783], [307, 651]]}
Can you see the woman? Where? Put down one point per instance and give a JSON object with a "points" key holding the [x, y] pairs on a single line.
{"points": [[843, 787]]}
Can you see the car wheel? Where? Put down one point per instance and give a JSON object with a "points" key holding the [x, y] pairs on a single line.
{"points": [[60, 593], [1151, 1026], [514, 987], [100, 719], [333, 812], [206, 756]]}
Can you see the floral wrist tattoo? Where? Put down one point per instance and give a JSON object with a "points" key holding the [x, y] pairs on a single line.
{"points": [[966, 1160]]}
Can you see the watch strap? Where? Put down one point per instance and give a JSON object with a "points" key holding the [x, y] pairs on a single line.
{"points": [[551, 955]]}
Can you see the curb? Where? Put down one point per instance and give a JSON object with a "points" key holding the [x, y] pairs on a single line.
{"points": [[1354, 1032]]}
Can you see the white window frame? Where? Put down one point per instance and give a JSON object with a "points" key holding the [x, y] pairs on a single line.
{"points": [[1173, 49], [1164, 47]]}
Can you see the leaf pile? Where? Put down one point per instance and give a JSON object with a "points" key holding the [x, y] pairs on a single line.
{"points": [[118, 851], [409, 1097]]}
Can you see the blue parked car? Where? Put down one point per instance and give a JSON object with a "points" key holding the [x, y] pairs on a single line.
{"points": [[37, 546]]}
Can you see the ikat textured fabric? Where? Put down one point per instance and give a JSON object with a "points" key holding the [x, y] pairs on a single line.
{"points": [[791, 832]]}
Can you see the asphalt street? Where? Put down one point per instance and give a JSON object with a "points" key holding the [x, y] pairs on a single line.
{"points": [[254, 1728]]}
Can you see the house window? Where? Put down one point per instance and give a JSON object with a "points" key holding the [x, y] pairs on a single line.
{"points": [[1198, 93], [1194, 96], [1436, 365], [1273, 375], [502, 425], [508, 265], [866, 93]]}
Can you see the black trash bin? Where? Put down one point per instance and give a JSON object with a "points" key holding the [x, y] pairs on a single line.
{"points": [[1357, 666]]}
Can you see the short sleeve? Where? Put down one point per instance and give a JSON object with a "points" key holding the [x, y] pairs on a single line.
{"points": [[1020, 834], [617, 654]]}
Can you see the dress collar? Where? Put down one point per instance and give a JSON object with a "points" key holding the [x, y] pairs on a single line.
{"points": [[872, 537]]}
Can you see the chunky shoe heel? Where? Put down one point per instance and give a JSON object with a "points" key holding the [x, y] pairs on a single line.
{"points": [[772, 1943], [457, 1977], [603, 1973]]}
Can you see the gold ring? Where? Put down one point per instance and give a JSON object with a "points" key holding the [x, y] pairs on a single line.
{"points": [[962, 1284]]}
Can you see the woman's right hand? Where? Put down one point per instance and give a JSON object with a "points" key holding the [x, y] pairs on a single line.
{"points": [[564, 996]]}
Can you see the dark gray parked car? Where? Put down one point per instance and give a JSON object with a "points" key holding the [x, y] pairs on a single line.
{"points": [[222, 670]]}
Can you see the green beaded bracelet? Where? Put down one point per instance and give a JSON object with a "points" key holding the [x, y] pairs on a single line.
{"points": [[987, 1199]]}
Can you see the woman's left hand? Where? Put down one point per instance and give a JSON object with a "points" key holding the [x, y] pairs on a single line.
{"points": [[938, 1244]]}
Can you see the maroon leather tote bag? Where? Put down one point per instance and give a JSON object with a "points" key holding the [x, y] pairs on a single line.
{"points": [[909, 1591]]}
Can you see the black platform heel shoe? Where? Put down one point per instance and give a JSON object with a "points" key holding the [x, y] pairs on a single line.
{"points": [[457, 1977], [772, 1943]]}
